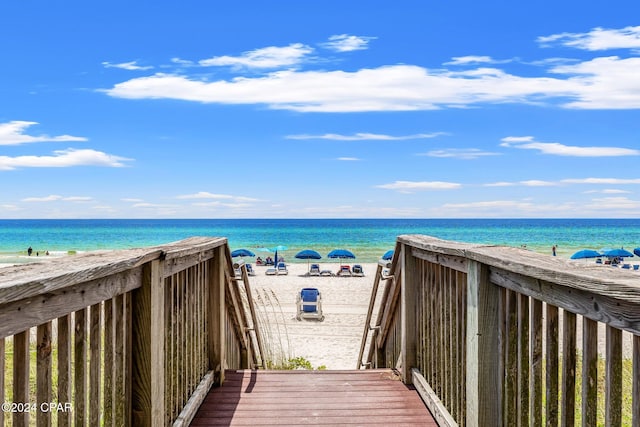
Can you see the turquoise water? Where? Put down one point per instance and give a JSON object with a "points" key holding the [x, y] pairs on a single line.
{"points": [[367, 238]]}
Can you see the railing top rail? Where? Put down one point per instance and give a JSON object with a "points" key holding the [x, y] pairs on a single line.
{"points": [[24, 281], [601, 280]]}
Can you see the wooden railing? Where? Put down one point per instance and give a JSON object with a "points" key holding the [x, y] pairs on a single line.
{"points": [[119, 338], [498, 336]]}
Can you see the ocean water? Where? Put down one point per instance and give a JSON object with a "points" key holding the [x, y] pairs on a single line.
{"points": [[368, 239]]}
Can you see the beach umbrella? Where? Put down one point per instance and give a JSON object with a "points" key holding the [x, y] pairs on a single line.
{"points": [[617, 253], [388, 255], [637, 251], [308, 254], [242, 253], [586, 253], [340, 253]]}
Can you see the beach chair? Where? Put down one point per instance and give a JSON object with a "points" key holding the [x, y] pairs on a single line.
{"points": [[357, 270], [345, 270], [314, 270], [250, 270], [636, 266], [309, 302], [282, 268], [270, 272], [326, 273]]}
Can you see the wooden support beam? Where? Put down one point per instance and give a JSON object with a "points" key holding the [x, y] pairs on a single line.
{"points": [[147, 350], [408, 295], [484, 391]]}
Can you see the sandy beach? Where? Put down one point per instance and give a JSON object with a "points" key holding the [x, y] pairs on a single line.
{"points": [[333, 342]]}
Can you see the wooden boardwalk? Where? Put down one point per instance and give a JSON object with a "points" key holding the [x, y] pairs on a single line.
{"points": [[306, 398]]}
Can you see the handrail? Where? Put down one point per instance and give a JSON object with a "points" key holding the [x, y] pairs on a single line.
{"points": [[141, 334], [465, 323]]}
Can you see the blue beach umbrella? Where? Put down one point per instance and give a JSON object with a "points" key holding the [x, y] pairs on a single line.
{"points": [[637, 251], [388, 255], [586, 253], [242, 253], [308, 254], [340, 253], [617, 253]]}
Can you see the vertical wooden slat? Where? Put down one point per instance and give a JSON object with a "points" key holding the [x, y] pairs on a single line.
{"points": [[64, 368], [108, 363], [523, 360], [216, 316], [21, 376], [635, 382], [455, 336], [408, 314], [461, 348], [589, 372], [568, 407], [552, 366], [536, 363], [128, 359], [483, 394], [2, 397], [118, 373], [80, 367], [43, 382], [613, 378], [147, 348], [511, 360], [168, 346], [95, 363]]}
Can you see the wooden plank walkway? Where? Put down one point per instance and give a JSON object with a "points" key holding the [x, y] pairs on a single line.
{"points": [[307, 398]]}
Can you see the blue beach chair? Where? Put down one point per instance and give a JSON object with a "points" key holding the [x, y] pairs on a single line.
{"points": [[309, 302]]}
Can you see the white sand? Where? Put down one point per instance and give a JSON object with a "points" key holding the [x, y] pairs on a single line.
{"points": [[334, 342]]}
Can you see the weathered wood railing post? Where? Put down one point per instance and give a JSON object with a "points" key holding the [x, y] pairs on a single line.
{"points": [[216, 314], [483, 373], [409, 283], [147, 350]]}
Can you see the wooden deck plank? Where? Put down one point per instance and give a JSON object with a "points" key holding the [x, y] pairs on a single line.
{"points": [[296, 398]]}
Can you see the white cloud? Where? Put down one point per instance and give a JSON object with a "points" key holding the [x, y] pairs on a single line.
{"points": [[13, 133], [55, 198], [411, 186], [596, 39], [63, 159], [267, 57], [387, 88], [605, 181], [361, 136], [131, 66], [614, 203], [538, 183], [460, 153], [500, 184], [604, 83], [348, 159], [607, 191], [475, 59], [347, 43], [204, 195], [557, 149]]}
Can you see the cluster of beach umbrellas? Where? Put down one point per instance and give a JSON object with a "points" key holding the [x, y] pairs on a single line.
{"points": [[609, 253], [307, 254]]}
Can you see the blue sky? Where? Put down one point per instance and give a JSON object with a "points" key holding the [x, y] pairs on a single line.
{"points": [[290, 109]]}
